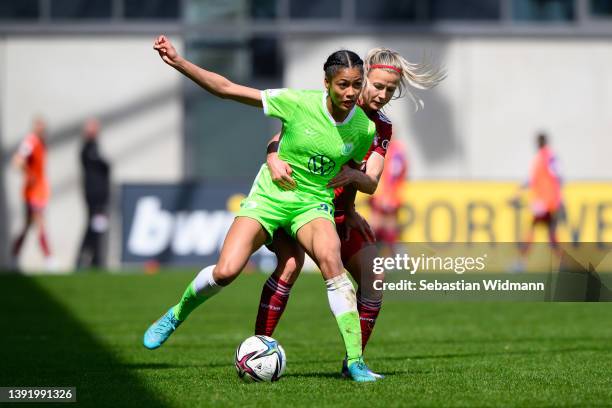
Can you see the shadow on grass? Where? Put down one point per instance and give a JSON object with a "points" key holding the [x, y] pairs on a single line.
{"points": [[42, 344]]}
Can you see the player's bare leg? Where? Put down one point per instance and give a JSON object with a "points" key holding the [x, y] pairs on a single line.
{"points": [[38, 220], [245, 236], [18, 243]]}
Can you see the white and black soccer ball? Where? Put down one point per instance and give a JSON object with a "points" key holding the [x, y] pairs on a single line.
{"points": [[260, 358]]}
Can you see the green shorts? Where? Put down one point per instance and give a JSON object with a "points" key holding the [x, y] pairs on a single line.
{"points": [[275, 208]]}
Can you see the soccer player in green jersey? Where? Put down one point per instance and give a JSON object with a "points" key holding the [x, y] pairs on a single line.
{"points": [[322, 132], [388, 74]]}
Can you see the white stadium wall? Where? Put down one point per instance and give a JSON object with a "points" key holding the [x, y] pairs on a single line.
{"points": [[481, 121], [119, 80]]}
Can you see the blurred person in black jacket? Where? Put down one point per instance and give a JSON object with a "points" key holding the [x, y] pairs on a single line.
{"points": [[96, 188]]}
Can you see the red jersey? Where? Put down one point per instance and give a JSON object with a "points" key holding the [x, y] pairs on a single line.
{"points": [[379, 145], [545, 182], [34, 152]]}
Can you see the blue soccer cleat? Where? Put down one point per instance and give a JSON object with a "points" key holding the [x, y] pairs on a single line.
{"points": [[159, 331], [359, 371], [346, 374]]}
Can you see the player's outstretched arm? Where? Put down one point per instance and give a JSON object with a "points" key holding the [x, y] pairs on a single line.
{"points": [[214, 83]]}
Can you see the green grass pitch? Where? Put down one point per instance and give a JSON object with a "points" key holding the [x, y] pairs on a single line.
{"points": [[86, 331]]}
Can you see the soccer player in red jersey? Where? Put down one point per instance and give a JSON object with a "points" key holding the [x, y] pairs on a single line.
{"points": [[386, 72], [31, 159], [545, 190]]}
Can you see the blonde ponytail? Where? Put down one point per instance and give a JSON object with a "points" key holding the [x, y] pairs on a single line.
{"points": [[420, 76]]}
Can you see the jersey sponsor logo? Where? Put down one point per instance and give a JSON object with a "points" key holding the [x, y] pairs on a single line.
{"points": [[385, 144], [347, 149], [321, 165]]}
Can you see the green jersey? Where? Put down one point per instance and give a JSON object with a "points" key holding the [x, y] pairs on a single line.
{"points": [[313, 143]]}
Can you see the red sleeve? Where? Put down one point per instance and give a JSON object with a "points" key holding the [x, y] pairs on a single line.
{"points": [[384, 131]]}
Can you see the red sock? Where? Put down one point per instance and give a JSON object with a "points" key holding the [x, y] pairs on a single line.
{"points": [[18, 244], [274, 298], [368, 312], [44, 245]]}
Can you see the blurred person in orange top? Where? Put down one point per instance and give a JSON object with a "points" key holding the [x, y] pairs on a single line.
{"points": [[544, 186], [30, 158], [385, 204]]}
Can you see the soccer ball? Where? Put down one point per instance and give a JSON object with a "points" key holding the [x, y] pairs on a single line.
{"points": [[260, 358]]}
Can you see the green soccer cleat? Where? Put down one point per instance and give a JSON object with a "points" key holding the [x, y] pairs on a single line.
{"points": [[159, 331], [359, 371]]}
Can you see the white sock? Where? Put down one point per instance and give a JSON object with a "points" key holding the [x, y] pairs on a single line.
{"points": [[204, 284], [202, 288], [341, 295]]}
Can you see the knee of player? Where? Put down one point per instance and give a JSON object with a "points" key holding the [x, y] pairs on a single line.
{"points": [[297, 261], [290, 269], [225, 272], [330, 255]]}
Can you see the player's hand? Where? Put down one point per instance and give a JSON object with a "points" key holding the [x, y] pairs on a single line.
{"points": [[280, 172], [166, 50], [347, 175], [354, 220]]}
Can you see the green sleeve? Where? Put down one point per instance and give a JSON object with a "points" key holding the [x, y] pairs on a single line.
{"points": [[280, 103]]}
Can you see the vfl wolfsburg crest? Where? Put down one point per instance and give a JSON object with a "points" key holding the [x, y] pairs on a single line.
{"points": [[347, 149], [321, 165]]}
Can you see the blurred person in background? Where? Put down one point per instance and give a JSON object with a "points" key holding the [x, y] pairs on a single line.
{"points": [[544, 186], [30, 158], [386, 202], [96, 190]]}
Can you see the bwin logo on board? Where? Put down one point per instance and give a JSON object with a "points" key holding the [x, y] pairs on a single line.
{"points": [[154, 230]]}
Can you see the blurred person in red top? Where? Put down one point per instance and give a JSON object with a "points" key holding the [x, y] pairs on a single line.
{"points": [[31, 158], [385, 204], [544, 185]]}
